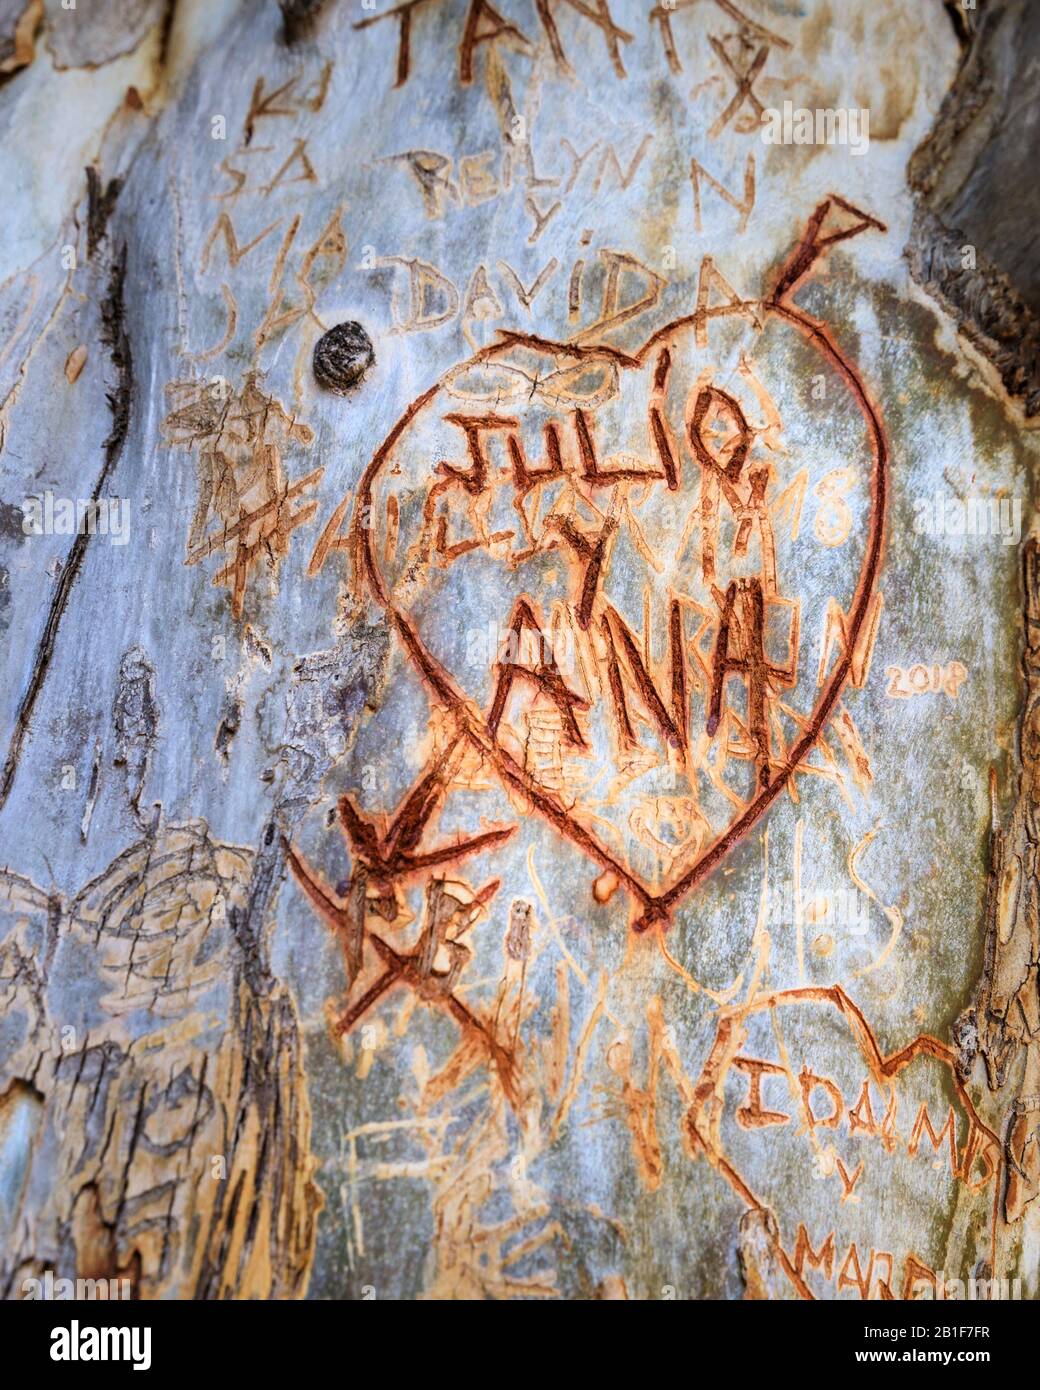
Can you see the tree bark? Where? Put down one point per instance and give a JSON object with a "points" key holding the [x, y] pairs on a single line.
{"points": [[519, 601]]}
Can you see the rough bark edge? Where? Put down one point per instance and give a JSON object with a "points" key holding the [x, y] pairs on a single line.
{"points": [[1002, 1025], [981, 299]]}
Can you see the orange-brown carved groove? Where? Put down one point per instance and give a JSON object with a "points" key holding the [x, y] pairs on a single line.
{"points": [[656, 908]]}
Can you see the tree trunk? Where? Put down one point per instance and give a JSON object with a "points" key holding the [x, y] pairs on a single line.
{"points": [[520, 763]]}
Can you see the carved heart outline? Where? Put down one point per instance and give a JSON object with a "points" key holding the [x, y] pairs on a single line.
{"points": [[654, 907]]}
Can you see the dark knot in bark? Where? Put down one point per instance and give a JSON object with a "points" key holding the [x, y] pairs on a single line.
{"points": [[342, 356]]}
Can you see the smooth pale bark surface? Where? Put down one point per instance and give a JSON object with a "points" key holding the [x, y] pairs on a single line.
{"points": [[537, 799]]}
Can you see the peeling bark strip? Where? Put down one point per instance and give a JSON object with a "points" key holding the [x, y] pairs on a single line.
{"points": [[20, 21], [115, 338], [1003, 1025]]}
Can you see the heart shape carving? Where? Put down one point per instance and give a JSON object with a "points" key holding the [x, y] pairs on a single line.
{"points": [[633, 533]]}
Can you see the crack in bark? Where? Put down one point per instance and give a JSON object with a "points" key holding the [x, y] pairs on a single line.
{"points": [[116, 340], [100, 203]]}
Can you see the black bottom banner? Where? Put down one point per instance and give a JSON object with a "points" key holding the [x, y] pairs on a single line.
{"points": [[72, 1338]]}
